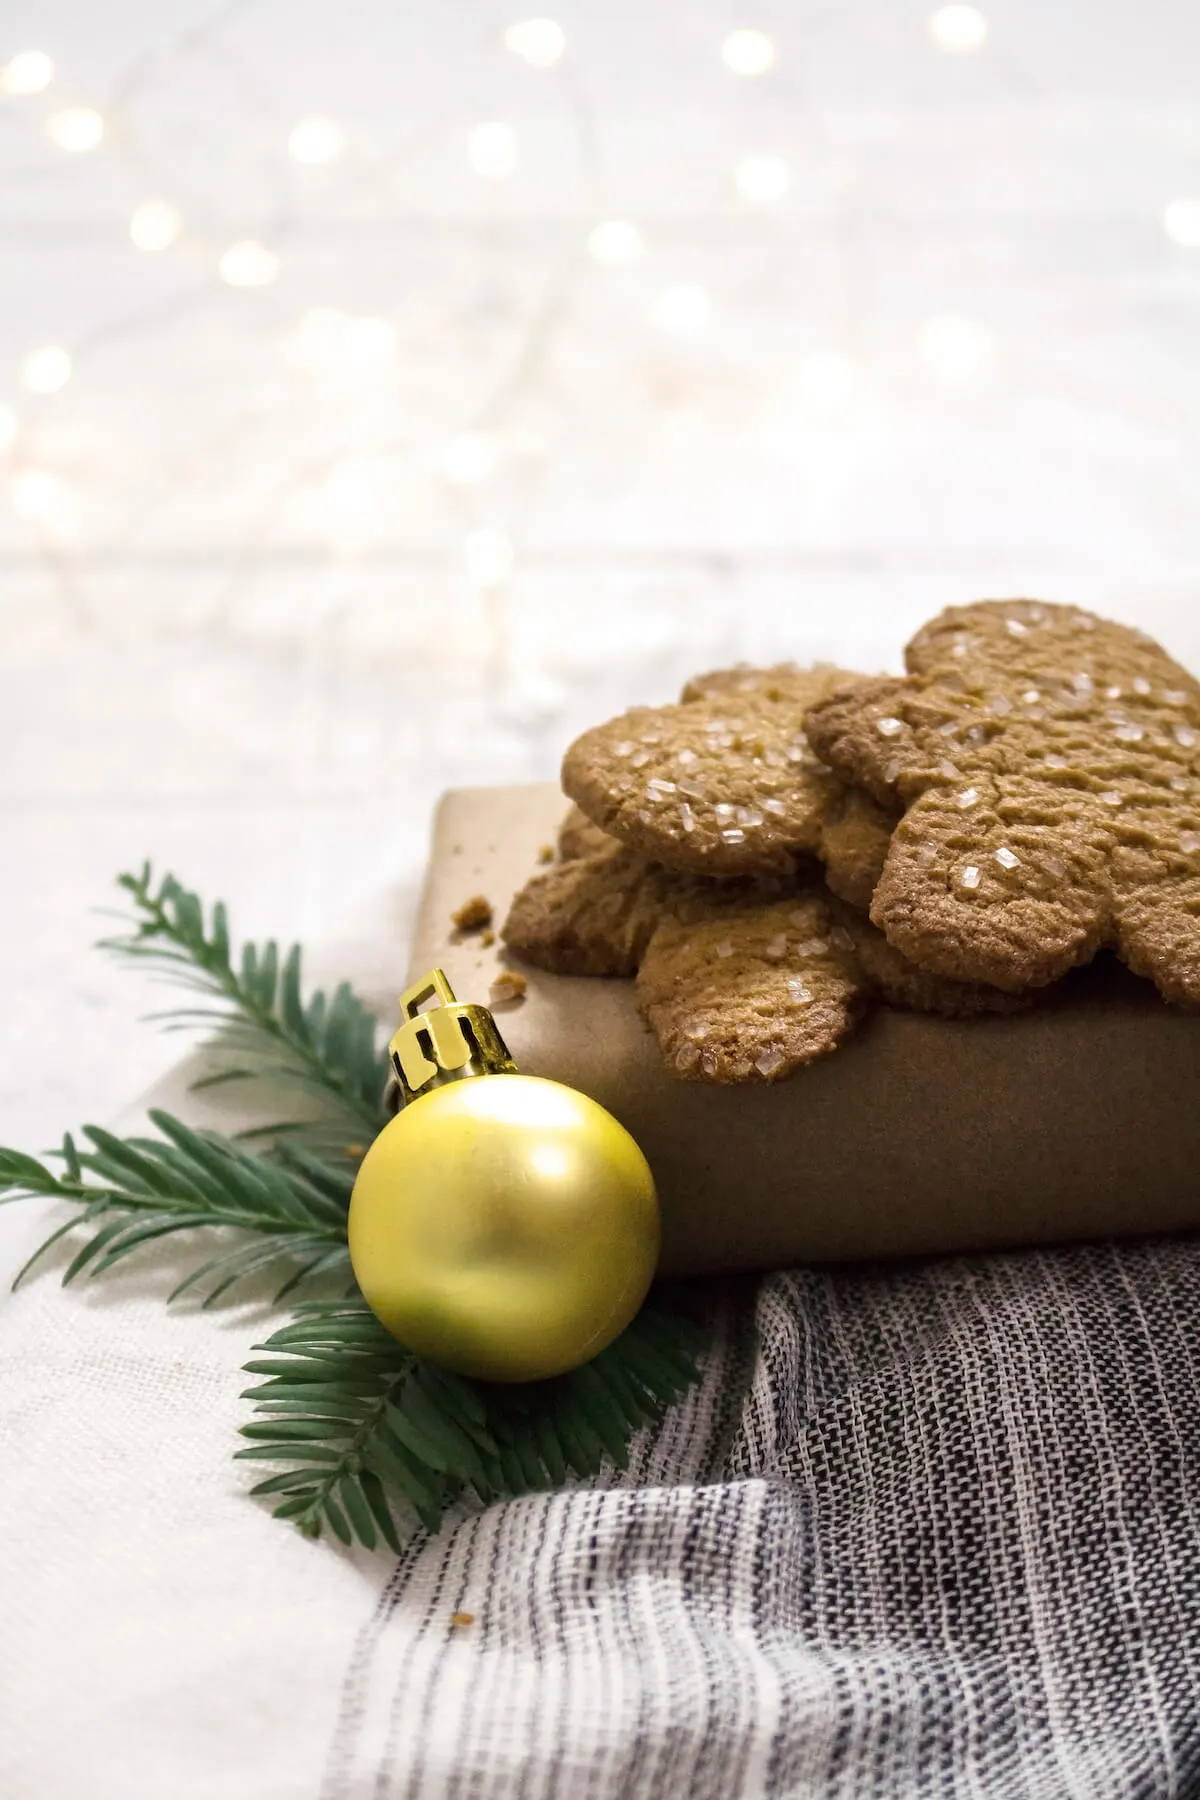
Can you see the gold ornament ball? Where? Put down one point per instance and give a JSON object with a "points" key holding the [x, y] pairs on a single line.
{"points": [[504, 1226]]}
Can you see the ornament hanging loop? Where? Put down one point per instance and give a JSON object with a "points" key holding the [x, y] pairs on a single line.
{"points": [[446, 1042]]}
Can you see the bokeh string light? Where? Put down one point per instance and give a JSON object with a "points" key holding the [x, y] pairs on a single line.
{"points": [[342, 350]]}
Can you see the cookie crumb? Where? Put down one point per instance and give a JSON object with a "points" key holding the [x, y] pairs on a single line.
{"points": [[474, 914], [546, 853], [487, 940], [508, 989], [462, 1618], [356, 1152]]}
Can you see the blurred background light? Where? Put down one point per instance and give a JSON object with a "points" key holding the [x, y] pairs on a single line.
{"points": [[155, 225], [46, 369], [75, 128], [958, 27], [748, 52], [956, 351], [37, 495], [469, 460], [1181, 222], [763, 179], [617, 243], [683, 309], [316, 140], [489, 558], [29, 72], [249, 264], [539, 42], [492, 150], [8, 428]]}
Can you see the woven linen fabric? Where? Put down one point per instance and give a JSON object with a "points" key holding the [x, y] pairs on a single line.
{"points": [[953, 1549]]}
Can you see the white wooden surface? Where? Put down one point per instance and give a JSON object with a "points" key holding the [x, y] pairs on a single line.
{"points": [[248, 624]]}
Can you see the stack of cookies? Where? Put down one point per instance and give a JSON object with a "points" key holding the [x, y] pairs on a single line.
{"points": [[785, 847]]}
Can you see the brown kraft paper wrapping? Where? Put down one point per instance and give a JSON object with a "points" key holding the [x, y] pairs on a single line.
{"points": [[1080, 1119]]}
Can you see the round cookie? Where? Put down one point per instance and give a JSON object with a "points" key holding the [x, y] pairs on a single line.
{"points": [[577, 836], [781, 681], [725, 785], [1048, 764], [856, 834], [592, 915], [749, 991]]}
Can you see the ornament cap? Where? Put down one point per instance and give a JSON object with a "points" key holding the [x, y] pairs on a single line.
{"points": [[444, 1042]]}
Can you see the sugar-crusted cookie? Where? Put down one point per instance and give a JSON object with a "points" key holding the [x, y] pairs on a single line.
{"points": [[592, 915], [856, 834], [722, 785], [892, 977], [577, 836], [781, 681], [1049, 766], [748, 991]]}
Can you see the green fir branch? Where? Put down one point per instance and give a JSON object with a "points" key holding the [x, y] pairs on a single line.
{"points": [[372, 1439], [255, 1005], [133, 1191], [363, 1424]]}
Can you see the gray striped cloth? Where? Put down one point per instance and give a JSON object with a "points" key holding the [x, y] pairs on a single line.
{"points": [[927, 1532]]}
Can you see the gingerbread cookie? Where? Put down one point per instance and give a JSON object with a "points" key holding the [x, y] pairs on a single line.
{"points": [[894, 978], [725, 785], [1048, 764], [782, 681], [749, 991]]}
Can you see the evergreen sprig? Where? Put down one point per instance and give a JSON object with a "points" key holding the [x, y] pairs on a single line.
{"points": [[256, 1007], [362, 1425], [132, 1191]]}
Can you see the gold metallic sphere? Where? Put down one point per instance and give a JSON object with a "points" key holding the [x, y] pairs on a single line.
{"points": [[504, 1226]]}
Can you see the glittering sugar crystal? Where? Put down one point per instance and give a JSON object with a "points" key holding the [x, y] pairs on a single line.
{"points": [[1114, 693], [733, 834], [1082, 683], [1054, 761], [625, 748], [697, 1032], [1054, 865], [971, 876], [926, 855], [799, 991], [968, 798], [1111, 797], [1031, 696], [950, 728], [776, 950], [841, 938], [951, 771], [774, 806], [1186, 736], [813, 946], [1008, 859], [685, 757], [687, 817], [725, 947], [641, 759], [694, 790], [1189, 842], [889, 727], [1181, 784], [1000, 703], [748, 816], [891, 772], [1175, 697], [708, 1062], [1140, 685], [723, 810], [769, 1061], [686, 1057], [1016, 627], [1129, 733]]}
